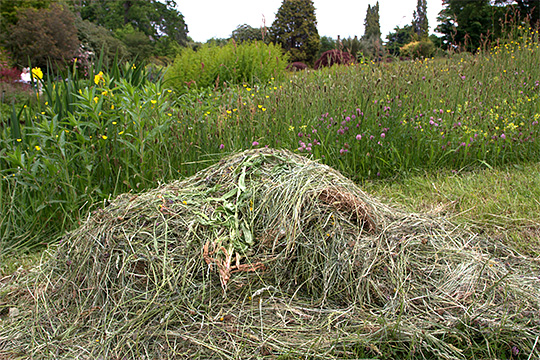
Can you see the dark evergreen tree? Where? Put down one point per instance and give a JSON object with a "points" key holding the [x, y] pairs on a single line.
{"points": [[372, 23], [420, 21], [371, 44], [295, 29]]}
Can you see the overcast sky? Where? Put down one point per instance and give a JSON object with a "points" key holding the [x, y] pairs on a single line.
{"points": [[208, 19]]}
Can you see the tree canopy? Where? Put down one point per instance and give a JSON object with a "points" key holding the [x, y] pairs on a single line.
{"points": [[43, 36], [295, 29], [248, 33], [466, 23], [155, 19]]}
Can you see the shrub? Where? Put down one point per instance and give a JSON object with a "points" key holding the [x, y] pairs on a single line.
{"points": [[211, 65], [418, 49], [297, 65], [332, 57]]}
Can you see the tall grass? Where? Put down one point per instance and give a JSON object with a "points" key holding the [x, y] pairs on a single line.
{"points": [[384, 119], [87, 140]]}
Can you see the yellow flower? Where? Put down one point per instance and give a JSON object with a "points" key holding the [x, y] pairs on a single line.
{"points": [[153, 101], [19, 140], [37, 73], [114, 122], [112, 107], [96, 99], [98, 77], [104, 93], [263, 109], [104, 137], [121, 132]]}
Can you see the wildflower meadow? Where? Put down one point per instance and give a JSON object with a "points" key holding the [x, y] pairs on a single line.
{"points": [[84, 140]]}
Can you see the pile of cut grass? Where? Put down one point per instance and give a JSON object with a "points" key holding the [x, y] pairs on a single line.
{"points": [[270, 254]]}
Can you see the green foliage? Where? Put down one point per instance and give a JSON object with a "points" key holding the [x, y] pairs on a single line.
{"points": [[397, 39], [418, 49], [420, 25], [327, 43], [41, 37], [295, 29], [469, 23], [233, 63], [372, 26], [99, 42], [9, 9], [84, 142], [248, 33], [138, 44], [371, 44], [352, 46], [153, 18]]}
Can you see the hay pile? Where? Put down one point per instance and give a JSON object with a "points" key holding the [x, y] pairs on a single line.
{"points": [[265, 254]]}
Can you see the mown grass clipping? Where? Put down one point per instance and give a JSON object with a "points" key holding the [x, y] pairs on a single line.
{"points": [[269, 254]]}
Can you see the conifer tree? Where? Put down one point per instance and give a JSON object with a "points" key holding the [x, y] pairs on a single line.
{"points": [[420, 20], [295, 29], [372, 23]]}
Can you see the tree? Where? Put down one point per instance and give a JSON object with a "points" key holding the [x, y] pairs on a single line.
{"points": [[399, 38], [43, 37], [529, 10], [295, 29], [97, 41], [420, 21], [372, 23], [467, 23], [371, 43], [327, 43], [247, 33], [155, 19]]}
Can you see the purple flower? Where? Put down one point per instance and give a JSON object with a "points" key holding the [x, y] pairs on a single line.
{"points": [[423, 78], [221, 147], [341, 131], [343, 151], [371, 137], [358, 137], [515, 350], [383, 135], [535, 122], [347, 119], [463, 77], [255, 143], [503, 136], [300, 134]]}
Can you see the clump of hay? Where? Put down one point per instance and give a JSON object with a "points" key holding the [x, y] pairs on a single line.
{"points": [[333, 57], [268, 253]]}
